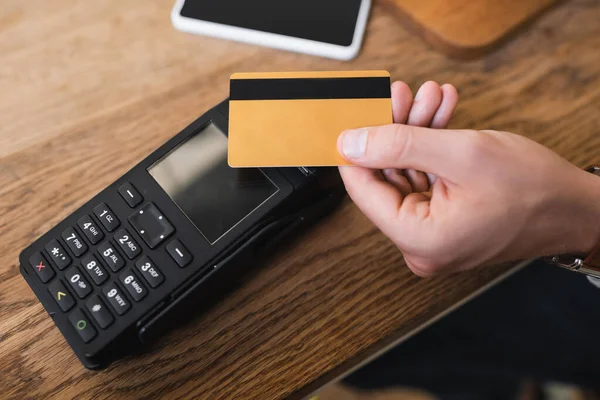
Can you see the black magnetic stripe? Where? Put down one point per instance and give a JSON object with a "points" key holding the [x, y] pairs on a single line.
{"points": [[310, 88]]}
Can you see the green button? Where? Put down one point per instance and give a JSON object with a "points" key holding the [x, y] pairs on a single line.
{"points": [[81, 324]]}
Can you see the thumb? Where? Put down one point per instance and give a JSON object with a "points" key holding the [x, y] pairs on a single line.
{"points": [[436, 151]]}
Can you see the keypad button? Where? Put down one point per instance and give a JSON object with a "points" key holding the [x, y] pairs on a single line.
{"points": [[79, 284], [116, 299], [99, 312], [94, 269], [131, 196], [110, 256], [41, 267], [133, 285], [106, 217], [74, 241], [58, 254], [82, 325], [151, 224], [127, 244], [61, 295], [149, 271], [90, 229], [179, 253]]}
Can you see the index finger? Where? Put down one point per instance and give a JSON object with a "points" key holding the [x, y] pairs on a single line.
{"points": [[383, 203]]}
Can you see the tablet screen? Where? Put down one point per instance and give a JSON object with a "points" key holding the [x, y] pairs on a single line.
{"points": [[329, 21]]}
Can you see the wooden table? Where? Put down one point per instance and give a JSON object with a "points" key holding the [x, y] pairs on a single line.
{"points": [[87, 89]]}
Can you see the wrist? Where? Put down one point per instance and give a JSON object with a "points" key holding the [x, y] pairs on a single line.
{"points": [[585, 228]]}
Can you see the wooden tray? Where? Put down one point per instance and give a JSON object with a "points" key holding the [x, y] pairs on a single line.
{"points": [[466, 29]]}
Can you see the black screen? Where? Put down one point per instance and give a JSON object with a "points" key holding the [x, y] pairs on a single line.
{"points": [[329, 21], [214, 196]]}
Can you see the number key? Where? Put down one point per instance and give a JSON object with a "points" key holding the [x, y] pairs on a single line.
{"points": [[78, 282], [127, 244], [149, 271], [94, 269], [106, 217], [90, 229], [133, 285], [110, 256], [116, 299], [74, 241]]}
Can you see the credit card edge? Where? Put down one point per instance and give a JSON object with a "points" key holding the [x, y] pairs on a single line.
{"points": [[326, 74]]}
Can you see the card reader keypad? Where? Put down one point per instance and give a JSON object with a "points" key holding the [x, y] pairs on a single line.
{"points": [[96, 270]]}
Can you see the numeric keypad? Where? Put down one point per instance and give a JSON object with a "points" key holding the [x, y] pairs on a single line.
{"points": [[95, 252]]}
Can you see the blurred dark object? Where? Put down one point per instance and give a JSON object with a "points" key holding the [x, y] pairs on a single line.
{"points": [[541, 324], [466, 29]]}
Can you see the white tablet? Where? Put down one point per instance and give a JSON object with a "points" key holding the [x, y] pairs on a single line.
{"points": [[326, 28]]}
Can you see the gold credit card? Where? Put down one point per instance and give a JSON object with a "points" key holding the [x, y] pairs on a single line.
{"points": [[290, 119]]}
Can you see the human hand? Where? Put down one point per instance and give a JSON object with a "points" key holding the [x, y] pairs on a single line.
{"points": [[484, 197]]}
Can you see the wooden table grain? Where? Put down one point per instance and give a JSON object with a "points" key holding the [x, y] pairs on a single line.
{"points": [[87, 89]]}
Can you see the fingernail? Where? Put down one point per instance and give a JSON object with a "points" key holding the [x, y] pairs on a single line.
{"points": [[354, 143]]}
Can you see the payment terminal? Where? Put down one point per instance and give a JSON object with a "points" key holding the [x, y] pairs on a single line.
{"points": [[167, 237]]}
